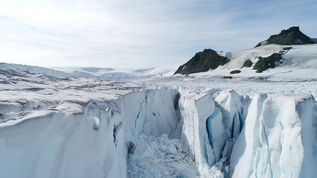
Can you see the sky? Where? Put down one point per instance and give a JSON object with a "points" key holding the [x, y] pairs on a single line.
{"points": [[140, 33]]}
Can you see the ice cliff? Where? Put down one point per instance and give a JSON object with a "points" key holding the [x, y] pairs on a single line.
{"points": [[159, 132], [80, 139], [279, 138], [95, 138]]}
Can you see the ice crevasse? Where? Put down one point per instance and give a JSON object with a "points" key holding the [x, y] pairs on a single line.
{"points": [[269, 135], [80, 138], [208, 123]]}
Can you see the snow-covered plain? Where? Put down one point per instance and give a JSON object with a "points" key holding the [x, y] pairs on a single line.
{"points": [[76, 124]]}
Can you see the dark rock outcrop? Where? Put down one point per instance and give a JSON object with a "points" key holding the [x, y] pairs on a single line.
{"points": [[291, 36], [265, 63], [202, 62], [247, 63], [235, 71]]}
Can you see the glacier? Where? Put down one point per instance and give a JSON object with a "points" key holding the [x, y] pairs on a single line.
{"points": [[62, 126], [279, 138]]}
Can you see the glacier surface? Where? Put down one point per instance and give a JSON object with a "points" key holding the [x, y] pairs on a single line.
{"points": [[63, 126]]}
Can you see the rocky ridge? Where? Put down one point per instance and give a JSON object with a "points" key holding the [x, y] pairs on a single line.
{"points": [[202, 62], [291, 36], [210, 59]]}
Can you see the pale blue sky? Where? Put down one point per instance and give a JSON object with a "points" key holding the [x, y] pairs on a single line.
{"points": [[140, 33]]}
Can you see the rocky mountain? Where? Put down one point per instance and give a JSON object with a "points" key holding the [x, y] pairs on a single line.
{"points": [[271, 53], [291, 36], [202, 61]]}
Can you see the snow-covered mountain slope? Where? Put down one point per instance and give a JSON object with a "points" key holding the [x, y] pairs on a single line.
{"points": [[177, 126], [267, 55], [298, 62], [34, 69]]}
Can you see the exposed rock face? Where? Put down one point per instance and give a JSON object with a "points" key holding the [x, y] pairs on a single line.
{"points": [[292, 36], [202, 62], [235, 71], [265, 63], [247, 63]]}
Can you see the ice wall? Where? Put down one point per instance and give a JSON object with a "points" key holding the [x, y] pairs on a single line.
{"points": [[97, 138], [81, 138], [207, 125], [195, 110], [234, 110], [52, 143], [279, 138]]}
